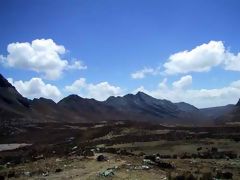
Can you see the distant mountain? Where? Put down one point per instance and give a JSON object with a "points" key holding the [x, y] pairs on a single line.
{"points": [[45, 110], [143, 104], [224, 115], [216, 112], [89, 109], [186, 107], [146, 108], [234, 116], [135, 107]]}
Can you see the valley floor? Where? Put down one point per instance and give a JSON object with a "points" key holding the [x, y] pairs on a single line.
{"points": [[122, 150]]}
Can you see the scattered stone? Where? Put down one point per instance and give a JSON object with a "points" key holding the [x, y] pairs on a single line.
{"points": [[8, 164], [141, 154], [106, 173], [164, 156], [88, 152], [155, 160], [102, 158], [145, 167], [70, 139], [124, 152], [39, 157], [224, 175], [165, 165], [27, 173], [185, 176], [151, 157], [58, 170], [45, 173], [148, 161], [58, 160], [75, 147]]}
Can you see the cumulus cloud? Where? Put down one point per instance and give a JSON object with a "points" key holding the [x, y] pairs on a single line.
{"points": [[41, 55], [202, 58], [184, 82], [2, 59], [100, 91], [36, 88], [199, 97], [163, 84], [232, 62], [77, 65], [144, 72]]}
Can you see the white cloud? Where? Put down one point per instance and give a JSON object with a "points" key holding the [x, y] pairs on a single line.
{"points": [[41, 55], [36, 88], [100, 91], [77, 65], [202, 58], [144, 72], [236, 84], [163, 84], [198, 97], [184, 82], [2, 59], [232, 62]]}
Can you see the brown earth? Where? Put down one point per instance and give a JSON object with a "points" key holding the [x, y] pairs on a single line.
{"points": [[64, 151]]}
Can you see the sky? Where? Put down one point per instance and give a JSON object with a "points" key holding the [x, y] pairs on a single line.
{"points": [[177, 50]]}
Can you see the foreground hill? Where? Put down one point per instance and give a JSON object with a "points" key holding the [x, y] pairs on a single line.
{"points": [[12, 103], [231, 116]]}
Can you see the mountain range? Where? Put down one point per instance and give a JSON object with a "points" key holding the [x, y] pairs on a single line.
{"points": [[139, 107]]}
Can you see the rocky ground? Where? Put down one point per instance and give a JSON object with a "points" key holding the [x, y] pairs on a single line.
{"points": [[119, 151]]}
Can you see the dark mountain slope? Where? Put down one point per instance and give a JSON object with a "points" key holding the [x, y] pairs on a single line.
{"points": [[46, 110], [143, 104], [138, 107], [89, 109], [186, 107], [216, 112], [224, 115], [12, 103], [144, 107]]}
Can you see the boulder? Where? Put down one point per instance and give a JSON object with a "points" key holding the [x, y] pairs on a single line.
{"points": [[58, 170], [88, 152], [101, 158]]}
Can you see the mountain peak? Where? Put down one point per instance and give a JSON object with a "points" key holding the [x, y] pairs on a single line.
{"points": [[140, 93], [74, 96], [71, 98], [238, 103], [43, 100], [4, 82]]}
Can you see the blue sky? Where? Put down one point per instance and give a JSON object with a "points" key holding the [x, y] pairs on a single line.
{"points": [[104, 43]]}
